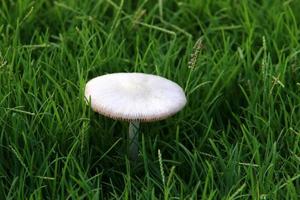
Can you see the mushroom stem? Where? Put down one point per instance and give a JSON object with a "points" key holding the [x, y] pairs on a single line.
{"points": [[133, 139]]}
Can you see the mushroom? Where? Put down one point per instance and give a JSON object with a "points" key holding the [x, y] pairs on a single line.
{"points": [[134, 97]]}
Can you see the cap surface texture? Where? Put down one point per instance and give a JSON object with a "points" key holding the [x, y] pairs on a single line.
{"points": [[134, 96]]}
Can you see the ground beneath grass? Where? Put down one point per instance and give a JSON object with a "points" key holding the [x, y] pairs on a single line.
{"points": [[237, 138]]}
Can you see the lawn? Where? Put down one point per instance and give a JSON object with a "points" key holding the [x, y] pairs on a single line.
{"points": [[238, 136]]}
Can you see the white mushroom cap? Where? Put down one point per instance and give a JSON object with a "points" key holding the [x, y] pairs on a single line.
{"points": [[135, 96]]}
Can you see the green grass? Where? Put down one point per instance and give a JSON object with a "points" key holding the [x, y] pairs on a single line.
{"points": [[237, 138]]}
